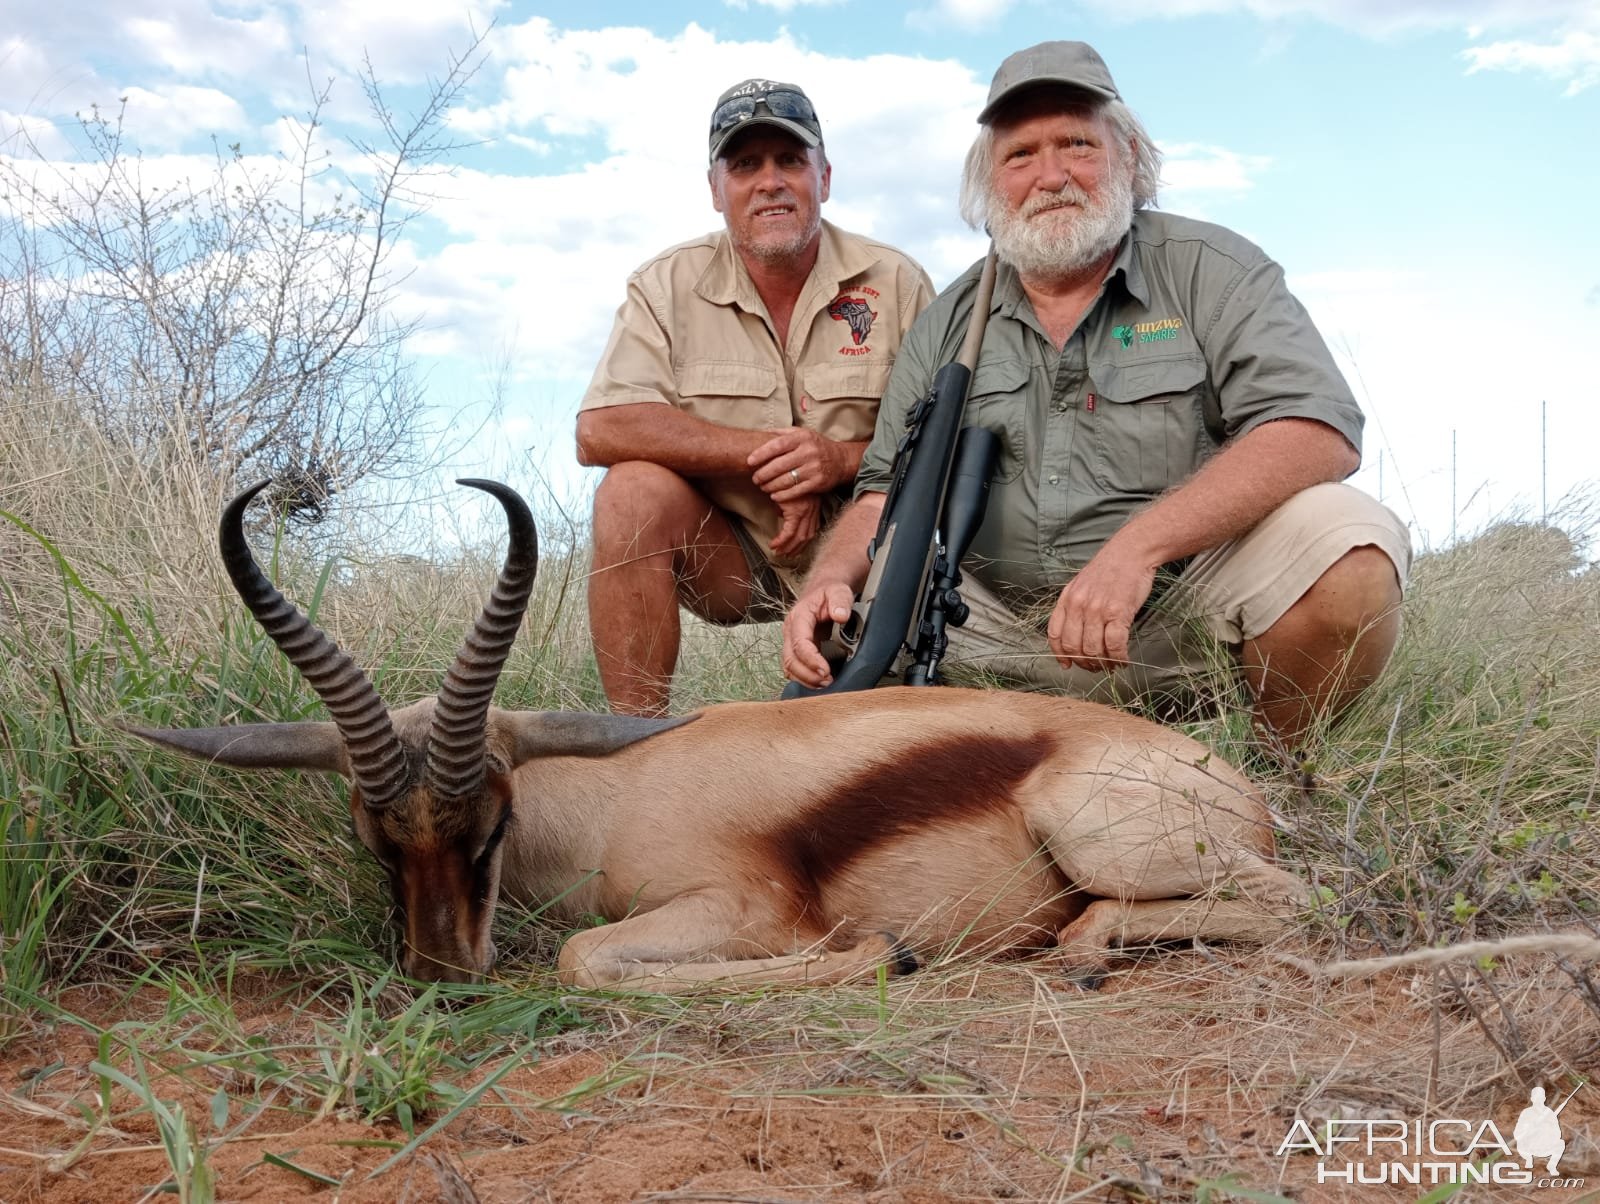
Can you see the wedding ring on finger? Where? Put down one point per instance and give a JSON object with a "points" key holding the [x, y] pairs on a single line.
{"points": [[794, 475]]}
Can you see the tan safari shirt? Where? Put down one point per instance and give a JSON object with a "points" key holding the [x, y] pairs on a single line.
{"points": [[1193, 340], [694, 333]]}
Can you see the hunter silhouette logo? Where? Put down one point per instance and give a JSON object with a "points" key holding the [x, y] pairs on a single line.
{"points": [[1538, 1132], [858, 312], [1123, 335]]}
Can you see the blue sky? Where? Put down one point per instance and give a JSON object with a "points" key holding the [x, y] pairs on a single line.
{"points": [[1425, 170]]}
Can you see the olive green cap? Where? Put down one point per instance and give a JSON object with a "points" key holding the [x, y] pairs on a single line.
{"points": [[1069, 64]]}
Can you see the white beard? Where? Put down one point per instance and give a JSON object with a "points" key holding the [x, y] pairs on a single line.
{"points": [[1040, 239]]}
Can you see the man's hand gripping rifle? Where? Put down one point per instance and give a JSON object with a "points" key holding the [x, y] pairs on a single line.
{"points": [[939, 487]]}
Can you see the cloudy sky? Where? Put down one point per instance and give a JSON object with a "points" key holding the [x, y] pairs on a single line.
{"points": [[1425, 170]]}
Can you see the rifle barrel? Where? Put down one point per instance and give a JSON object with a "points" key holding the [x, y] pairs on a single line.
{"points": [[981, 300]]}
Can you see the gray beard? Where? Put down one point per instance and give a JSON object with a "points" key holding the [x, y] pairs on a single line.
{"points": [[1067, 241], [780, 252], [785, 251]]}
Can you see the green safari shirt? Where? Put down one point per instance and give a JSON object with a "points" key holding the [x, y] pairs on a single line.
{"points": [[1193, 340]]}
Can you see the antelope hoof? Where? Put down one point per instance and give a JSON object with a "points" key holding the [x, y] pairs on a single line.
{"points": [[1087, 979], [1087, 957], [901, 960]]}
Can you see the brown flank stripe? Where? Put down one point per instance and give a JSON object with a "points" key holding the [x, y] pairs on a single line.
{"points": [[963, 778]]}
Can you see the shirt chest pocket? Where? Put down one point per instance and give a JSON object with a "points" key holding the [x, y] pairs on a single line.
{"points": [[841, 400], [731, 393], [998, 400], [1149, 423]]}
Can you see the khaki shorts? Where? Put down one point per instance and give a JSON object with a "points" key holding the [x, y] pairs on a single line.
{"points": [[772, 592], [1184, 648]]}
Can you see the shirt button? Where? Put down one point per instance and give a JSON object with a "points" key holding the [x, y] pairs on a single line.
{"points": [[1054, 480]]}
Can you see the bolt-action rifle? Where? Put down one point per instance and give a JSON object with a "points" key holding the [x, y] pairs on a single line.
{"points": [[938, 490]]}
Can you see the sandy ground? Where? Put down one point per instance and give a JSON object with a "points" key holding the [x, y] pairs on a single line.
{"points": [[1181, 1075]]}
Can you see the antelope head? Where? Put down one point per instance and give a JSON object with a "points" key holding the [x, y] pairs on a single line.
{"points": [[430, 796]]}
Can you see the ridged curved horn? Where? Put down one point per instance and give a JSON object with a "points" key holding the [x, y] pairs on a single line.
{"points": [[456, 744], [377, 762]]}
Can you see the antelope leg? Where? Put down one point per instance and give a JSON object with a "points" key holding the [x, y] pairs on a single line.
{"points": [[696, 941]]}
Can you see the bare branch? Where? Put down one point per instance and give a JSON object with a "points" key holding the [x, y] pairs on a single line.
{"points": [[245, 314]]}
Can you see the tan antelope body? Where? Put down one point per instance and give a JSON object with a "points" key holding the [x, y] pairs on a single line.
{"points": [[800, 841]]}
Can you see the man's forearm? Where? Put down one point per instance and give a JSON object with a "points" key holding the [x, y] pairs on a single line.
{"points": [[1242, 484], [853, 450], [667, 436], [843, 555]]}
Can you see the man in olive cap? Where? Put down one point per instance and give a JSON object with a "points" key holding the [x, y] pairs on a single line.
{"points": [[1174, 434], [735, 397]]}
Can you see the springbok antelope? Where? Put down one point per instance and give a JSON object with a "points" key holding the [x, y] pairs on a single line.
{"points": [[802, 841]]}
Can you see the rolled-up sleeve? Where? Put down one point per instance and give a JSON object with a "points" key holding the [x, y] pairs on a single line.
{"points": [[637, 363], [1268, 361]]}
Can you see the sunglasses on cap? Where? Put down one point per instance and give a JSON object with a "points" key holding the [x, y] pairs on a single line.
{"points": [[789, 105]]}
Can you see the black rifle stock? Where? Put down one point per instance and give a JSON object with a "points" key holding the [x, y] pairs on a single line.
{"points": [[938, 489]]}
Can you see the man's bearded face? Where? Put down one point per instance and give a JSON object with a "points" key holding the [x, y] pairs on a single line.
{"points": [[769, 189], [1057, 205]]}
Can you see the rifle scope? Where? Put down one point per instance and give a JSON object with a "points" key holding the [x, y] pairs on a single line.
{"points": [[915, 562]]}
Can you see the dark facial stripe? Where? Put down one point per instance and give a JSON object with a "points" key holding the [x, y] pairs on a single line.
{"points": [[956, 780], [443, 899]]}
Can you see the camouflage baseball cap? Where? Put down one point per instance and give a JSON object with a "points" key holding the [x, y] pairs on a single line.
{"points": [[1071, 64], [763, 102]]}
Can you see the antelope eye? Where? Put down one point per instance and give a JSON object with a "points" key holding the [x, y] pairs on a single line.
{"points": [[388, 860], [495, 838]]}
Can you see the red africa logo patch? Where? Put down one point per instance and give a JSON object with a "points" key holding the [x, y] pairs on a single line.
{"points": [[858, 312]]}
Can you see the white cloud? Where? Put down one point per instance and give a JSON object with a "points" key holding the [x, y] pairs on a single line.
{"points": [[49, 67], [36, 78], [194, 42], [167, 117], [1190, 167], [962, 14], [407, 43], [1573, 55], [1375, 17], [1448, 416], [1358, 284], [20, 131], [24, 71], [545, 257], [1575, 58], [782, 6], [1568, 48], [175, 176], [276, 50]]}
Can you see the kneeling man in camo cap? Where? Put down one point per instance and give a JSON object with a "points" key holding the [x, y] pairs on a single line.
{"points": [[735, 397]]}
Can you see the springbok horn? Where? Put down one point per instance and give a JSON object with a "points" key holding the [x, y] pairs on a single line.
{"points": [[456, 744], [377, 761]]}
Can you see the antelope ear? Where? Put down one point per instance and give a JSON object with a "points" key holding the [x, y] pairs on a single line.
{"points": [[257, 745], [579, 733]]}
